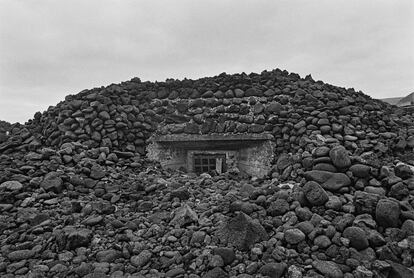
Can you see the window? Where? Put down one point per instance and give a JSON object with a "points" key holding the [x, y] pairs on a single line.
{"points": [[205, 163]]}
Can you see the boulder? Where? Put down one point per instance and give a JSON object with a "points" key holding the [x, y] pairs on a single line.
{"points": [[387, 213], [11, 186], [79, 238], [360, 170], [340, 158], [328, 180], [141, 259], [328, 269], [294, 236], [184, 215], [52, 182], [278, 207], [216, 272], [357, 237], [241, 232], [273, 270], [315, 194], [365, 202]]}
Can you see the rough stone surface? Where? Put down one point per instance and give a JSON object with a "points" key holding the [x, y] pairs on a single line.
{"points": [[242, 232], [315, 194], [79, 196], [387, 213]]}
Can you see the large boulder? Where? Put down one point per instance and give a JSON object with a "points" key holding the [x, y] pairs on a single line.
{"points": [[328, 180], [241, 231]]}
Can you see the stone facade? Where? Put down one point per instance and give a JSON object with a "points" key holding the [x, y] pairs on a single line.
{"points": [[251, 154]]}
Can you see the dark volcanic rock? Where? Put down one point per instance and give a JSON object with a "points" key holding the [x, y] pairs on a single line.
{"points": [[52, 182], [328, 269], [357, 237], [273, 270], [360, 170], [315, 194], [242, 232], [278, 207], [387, 213], [79, 238], [340, 158], [328, 180]]}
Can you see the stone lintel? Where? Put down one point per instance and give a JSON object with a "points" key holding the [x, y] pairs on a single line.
{"points": [[212, 137], [210, 141]]}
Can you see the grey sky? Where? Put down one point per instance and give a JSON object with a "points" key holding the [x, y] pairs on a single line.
{"points": [[51, 48]]}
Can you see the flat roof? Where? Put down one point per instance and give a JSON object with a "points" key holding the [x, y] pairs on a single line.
{"points": [[213, 137], [210, 141]]}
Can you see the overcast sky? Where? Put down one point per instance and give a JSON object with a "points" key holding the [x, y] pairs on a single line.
{"points": [[51, 48]]}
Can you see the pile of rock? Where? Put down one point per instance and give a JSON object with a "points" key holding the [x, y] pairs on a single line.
{"points": [[79, 199], [123, 116]]}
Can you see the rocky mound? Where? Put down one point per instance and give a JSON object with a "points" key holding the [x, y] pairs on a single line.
{"points": [[79, 199], [407, 100]]}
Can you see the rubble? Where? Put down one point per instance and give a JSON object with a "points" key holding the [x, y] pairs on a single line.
{"points": [[78, 198]]}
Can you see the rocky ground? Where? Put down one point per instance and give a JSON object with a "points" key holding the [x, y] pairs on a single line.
{"points": [[79, 199], [93, 213]]}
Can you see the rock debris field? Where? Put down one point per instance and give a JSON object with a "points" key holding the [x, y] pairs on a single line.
{"points": [[79, 198]]}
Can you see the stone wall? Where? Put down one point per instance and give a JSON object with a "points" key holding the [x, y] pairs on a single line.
{"points": [[123, 116], [257, 160]]}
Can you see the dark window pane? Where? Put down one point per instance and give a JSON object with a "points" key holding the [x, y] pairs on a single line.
{"points": [[197, 161], [205, 161], [212, 161], [205, 169]]}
